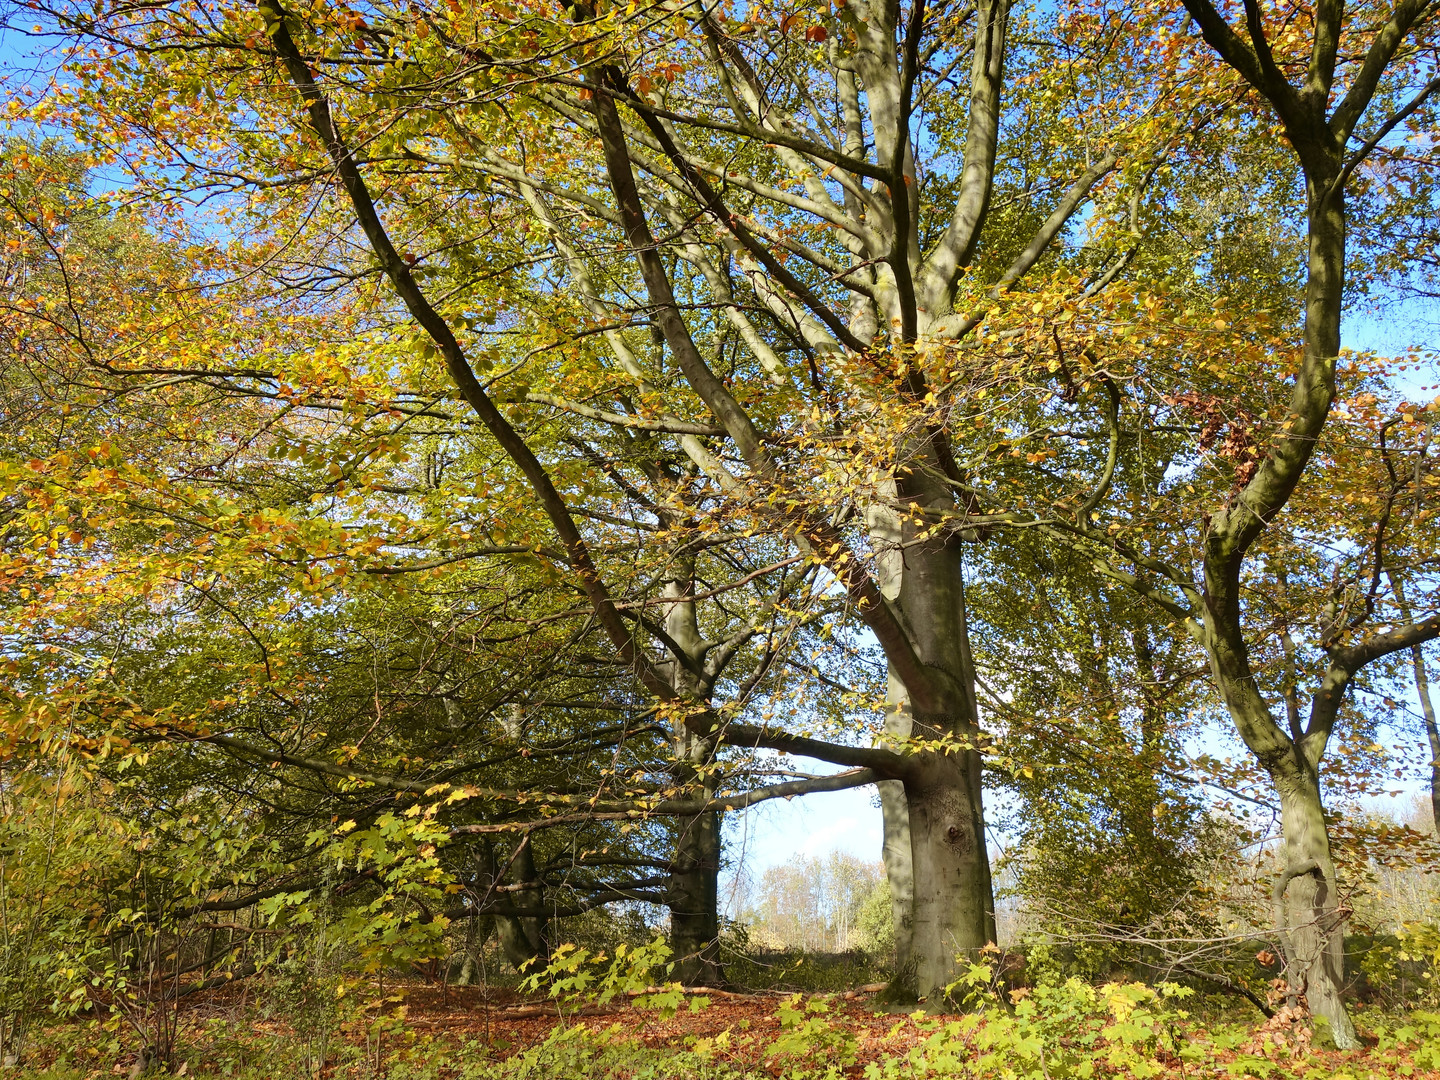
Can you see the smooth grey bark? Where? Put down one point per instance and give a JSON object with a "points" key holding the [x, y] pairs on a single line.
{"points": [[952, 914], [886, 535], [693, 892], [977, 177], [935, 855], [522, 938], [693, 895], [895, 852], [953, 911], [941, 894]]}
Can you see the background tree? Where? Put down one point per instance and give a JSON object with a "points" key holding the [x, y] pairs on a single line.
{"points": [[237, 601], [1259, 562], [815, 904]]}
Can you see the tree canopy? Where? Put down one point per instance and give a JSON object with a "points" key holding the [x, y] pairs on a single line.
{"points": [[492, 441]]}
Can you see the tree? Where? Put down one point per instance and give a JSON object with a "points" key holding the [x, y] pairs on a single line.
{"points": [[831, 185], [1282, 516], [232, 595]]}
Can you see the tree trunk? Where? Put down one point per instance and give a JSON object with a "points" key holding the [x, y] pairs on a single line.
{"points": [[899, 869], [693, 895], [951, 909], [953, 913], [694, 900], [1432, 730], [1307, 911], [523, 937], [1309, 919], [476, 935], [1422, 692], [888, 537]]}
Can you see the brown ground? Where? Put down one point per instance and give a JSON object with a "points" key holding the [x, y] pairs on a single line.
{"points": [[752, 1019]]}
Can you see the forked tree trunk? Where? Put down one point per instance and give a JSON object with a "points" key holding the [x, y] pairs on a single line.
{"points": [[1309, 919], [476, 935], [522, 938]]}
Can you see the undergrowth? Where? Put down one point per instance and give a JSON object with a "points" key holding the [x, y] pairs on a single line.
{"points": [[617, 1017]]}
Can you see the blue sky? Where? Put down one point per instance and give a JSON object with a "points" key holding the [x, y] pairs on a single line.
{"points": [[813, 825]]}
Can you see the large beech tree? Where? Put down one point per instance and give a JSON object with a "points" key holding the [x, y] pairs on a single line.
{"points": [[776, 237]]}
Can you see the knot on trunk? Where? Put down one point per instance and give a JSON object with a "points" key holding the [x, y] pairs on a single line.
{"points": [[958, 838]]}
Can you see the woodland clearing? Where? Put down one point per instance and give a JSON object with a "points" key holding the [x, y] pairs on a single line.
{"points": [[458, 457]]}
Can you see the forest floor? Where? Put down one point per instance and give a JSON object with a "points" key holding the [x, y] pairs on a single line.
{"points": [[418, 1032]]}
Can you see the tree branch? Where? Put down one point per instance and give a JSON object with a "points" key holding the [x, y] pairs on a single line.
{"points": [[398, 271]]}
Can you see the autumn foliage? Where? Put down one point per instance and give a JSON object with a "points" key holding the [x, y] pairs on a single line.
{"points": [[461, 456]]}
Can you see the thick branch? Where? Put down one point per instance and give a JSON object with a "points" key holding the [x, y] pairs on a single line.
{"points": [[1231, 47], [1345, 664], [1377, 60], [325, 129], [977, 176], [885, 763]]}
